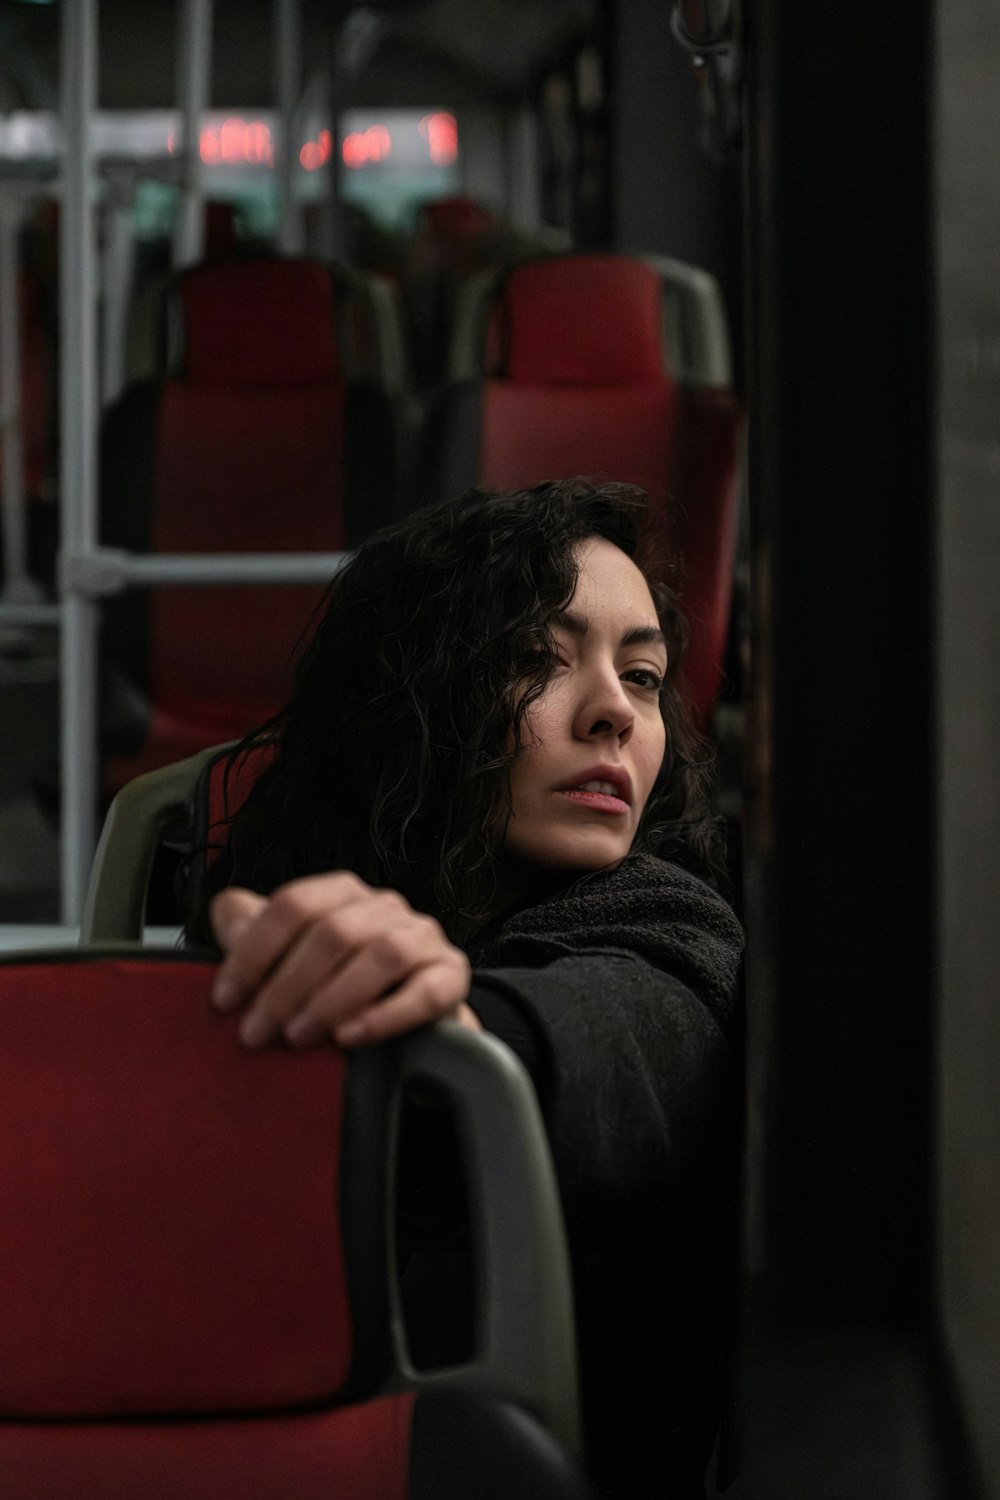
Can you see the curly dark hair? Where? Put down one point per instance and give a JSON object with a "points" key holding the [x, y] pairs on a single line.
{"points": [[393, 756]]}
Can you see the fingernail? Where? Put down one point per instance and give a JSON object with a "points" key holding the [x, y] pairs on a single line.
{"points": [[351, 1031], [304, 1031], [226, 992], [255, 1030]]}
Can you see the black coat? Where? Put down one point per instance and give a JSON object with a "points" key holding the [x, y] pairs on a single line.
{"points": [[620, 994]]}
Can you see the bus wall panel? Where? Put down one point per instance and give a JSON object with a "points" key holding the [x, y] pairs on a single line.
{"points": [[968, 644]]}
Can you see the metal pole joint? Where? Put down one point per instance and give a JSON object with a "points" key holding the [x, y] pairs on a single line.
{"points": [[93, 575]]}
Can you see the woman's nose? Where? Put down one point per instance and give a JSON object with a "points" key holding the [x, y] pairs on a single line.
{"points": [[605, 709]]}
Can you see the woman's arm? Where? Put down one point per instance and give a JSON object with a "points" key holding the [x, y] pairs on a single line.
{"points": [[628, 985], [331, 958]]}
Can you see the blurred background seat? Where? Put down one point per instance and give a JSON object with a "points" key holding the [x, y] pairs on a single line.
{"points": [[615, 367], [275, 429]]}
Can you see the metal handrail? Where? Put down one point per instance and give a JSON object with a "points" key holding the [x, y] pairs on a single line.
{"points": [[101, 571], [16, 612]]}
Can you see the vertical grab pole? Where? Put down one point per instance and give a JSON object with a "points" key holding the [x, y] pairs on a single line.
{"points": [[78, 489], [194, 72], [17, 586], [116, 279], [288, 83]]}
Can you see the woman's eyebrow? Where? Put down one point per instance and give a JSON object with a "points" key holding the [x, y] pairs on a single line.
{"points": [[644, 635], [639, 635]]}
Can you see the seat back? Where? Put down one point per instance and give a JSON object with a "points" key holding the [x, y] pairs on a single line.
{"points": [[577, 382], [195, 1245], [250, 458], [37, 379], [271, 433], [143, 1160], [222, 788], [588, 365]]}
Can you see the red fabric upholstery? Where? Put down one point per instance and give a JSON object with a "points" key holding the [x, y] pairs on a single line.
{"points": [[454, 235], [168, 739], [222, 241], [37, 389], [591, 320], [141, 1147], [356, 1453], [457, 216], [705, 491], [532, 433], [230, 780], [250, 456], [176, 1322], [577, 384], [259, 322], [247, 471]]}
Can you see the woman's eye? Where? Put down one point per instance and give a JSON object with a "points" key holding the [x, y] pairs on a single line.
{"points": [[645, 677]]}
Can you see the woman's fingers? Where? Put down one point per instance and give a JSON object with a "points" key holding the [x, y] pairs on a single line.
{"points": [[327, 951], [435, 989], [254, 931], [349, 957], [385, 954], [232, 910]]}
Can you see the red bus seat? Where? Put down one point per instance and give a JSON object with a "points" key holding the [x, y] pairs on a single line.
{"points": [[185, 807], [273, 434], [37, 372], [564, 367], [195, 1252]]}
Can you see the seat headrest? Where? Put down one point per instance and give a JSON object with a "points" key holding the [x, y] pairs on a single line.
{"points": [[457, 216], [584, 320], [258, 323], [222, 241]]}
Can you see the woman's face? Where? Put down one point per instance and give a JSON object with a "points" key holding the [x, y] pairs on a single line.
{"points": [[594, 741]]}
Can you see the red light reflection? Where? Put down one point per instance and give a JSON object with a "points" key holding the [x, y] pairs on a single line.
{"points": [[315, 153], [235, 141], [362, 146], [441, 132]]}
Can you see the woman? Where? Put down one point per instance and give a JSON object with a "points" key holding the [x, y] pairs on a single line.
{"points": [[488, 803]]}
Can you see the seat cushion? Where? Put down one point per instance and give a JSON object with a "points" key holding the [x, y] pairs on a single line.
{"points": [[355, 1453]]}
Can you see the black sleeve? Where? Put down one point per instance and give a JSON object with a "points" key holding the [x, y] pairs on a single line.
{"points": [[512, 1023], [628, 985], [639, 1081]]}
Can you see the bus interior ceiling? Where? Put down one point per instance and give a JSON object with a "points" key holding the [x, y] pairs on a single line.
{"points": [[871, 1358]]}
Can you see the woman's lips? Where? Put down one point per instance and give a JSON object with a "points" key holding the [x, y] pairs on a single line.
{"points": [[597, 801], [601, 789]]}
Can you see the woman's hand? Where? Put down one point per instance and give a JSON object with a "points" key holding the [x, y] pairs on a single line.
{"points": [[329, 957]]}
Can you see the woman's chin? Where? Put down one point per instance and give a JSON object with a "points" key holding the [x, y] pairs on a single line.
{"points": [[595, 850]]}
